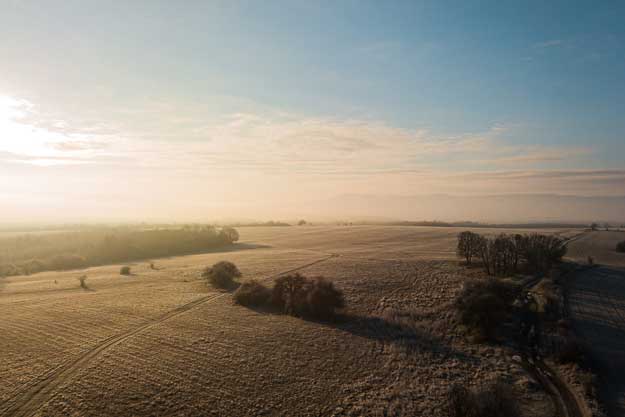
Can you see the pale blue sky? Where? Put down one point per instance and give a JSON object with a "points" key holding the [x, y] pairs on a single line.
{"points": [[345, 96]]}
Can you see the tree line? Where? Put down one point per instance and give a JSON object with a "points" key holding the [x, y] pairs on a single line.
{"points": [[507, 254], [33, 253]]}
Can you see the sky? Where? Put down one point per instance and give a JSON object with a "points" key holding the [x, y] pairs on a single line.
{"points": [[202, 110]]}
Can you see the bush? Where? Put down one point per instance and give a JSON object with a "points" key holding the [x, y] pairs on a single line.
{"points": [[571, 351], [482, 305], [125, 270], [494, 400], [252, 294], [300, 296], [620, 247], [229, 234], [83, 282], [323, 299], [222, 274]]}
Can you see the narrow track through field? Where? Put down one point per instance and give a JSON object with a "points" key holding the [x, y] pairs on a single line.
{"points": [[27, 401]]}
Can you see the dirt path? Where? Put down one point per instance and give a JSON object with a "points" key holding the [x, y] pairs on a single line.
{"points": [[30, 399]]}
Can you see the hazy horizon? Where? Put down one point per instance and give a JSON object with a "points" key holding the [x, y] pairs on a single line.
{"points": [[204, 111]]}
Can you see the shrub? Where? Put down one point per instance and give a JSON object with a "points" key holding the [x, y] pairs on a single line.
{"points": [[300, 296], [222, 274], [83, 282], [125, 270], [620, 247], [498, 400], [494, 400], [482, 305], [252, 294], [229, 234], [571, 351], [323, 299], [461, 402]]}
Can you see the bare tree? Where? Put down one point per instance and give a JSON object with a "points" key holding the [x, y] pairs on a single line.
{"points": [[469, 245]]}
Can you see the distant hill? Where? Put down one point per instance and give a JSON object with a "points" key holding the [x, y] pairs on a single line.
{"points": [[512, 208]]}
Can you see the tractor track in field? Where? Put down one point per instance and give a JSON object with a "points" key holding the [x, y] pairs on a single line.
{"points": [[28, 400]]}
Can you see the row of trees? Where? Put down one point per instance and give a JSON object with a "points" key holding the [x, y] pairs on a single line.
{"points": [[506, 254], [71, 250]]}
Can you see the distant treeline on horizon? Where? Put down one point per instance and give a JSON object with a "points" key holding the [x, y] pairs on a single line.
{"points": [[22, 254]]}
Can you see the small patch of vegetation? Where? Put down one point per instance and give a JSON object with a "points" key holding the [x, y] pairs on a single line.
{"points": [[301, 296], [252, 294], [483, 305], [620, 247], [222, 274], [294, 294], [83, 282], [493, 400], [124, 270]]}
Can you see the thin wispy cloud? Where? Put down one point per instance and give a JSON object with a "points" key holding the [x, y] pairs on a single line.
{"points": [[549, 43]]}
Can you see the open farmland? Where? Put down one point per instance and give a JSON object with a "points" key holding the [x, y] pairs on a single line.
{"points": [[162, 342], [597, 304]]}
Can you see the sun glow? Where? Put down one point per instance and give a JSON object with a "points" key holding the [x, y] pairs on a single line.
{"points": [[20, 135]]}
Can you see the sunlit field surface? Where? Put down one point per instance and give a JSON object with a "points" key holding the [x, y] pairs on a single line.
{"points": [[163, 342]]}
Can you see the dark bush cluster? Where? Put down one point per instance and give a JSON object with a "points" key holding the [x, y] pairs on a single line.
{"points": [[252, 294], [293, 294], [493, 400], [483, 304], [301, 296], [620, 247], [222, 274], [507, 254], [124, 270], [33, 253]]}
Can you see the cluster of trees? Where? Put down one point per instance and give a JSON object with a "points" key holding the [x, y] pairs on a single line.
{"points": [[33, 253], [506, 254], [293, 294]]}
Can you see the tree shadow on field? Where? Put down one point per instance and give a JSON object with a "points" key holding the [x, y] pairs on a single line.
{"points": [[235, 247], [409, 338]]}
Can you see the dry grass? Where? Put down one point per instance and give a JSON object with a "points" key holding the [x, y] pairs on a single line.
{"points": [[396, 350]]}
